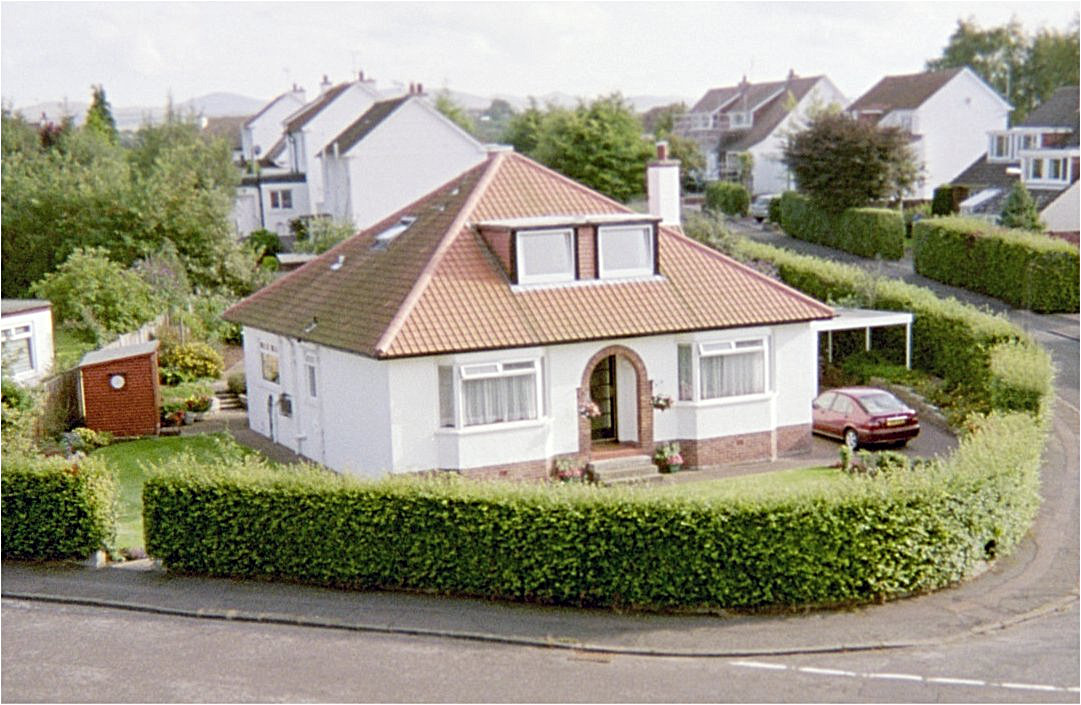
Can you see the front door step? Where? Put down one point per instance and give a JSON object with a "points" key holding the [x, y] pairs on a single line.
{"points": [[625, 469]]}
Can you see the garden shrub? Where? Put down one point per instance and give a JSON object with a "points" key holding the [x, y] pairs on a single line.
{"points": [[237, 383], [1025, 269], [894, 534], [55, 507], [775, 211], [868, 232], [264, 243], [942, 202], [728, 197], [188, 361]]}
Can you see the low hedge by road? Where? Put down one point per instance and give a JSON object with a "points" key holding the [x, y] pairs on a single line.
{"points": [[868, 232], [905, 532], [1025, 269], [56, 508], [913, 531]]}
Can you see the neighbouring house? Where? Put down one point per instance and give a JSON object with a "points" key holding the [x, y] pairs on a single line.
{"points": [[120, 389], [263, 130], [228, 128], [948, 114], [27, 329], [513, 317], [397, 151], [740, 129], [1042, 152]]}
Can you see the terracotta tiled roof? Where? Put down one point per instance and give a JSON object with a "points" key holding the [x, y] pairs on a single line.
{"points": [[367, 122], [903, 92], [437, 287], [305, 114]]}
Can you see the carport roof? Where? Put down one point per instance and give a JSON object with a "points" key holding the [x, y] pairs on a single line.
{"points": [[856, 318]]}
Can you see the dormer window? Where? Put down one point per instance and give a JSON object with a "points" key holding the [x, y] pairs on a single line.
{"points": [[625, 251], [545, 256], [740, 118], [1000, 146]]}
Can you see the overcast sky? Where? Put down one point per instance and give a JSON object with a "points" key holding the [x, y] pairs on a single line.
{"points": [[142, 51]]}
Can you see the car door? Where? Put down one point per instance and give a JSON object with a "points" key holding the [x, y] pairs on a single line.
{"points": [[822, 414]]}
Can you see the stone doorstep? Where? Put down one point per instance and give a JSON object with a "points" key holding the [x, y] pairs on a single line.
{"points": [[624, 470]]}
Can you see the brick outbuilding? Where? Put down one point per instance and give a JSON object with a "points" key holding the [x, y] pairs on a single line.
{"points": [[120, 390]]}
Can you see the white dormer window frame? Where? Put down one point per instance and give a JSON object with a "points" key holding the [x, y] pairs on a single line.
{"points": [[555, 242], [614, 242]]}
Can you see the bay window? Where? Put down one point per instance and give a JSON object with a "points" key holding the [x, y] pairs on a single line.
{"points": [[722, 369], [489, 393]]}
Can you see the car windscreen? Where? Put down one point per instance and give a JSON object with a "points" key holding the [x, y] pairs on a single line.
{"points": [[881, 404]]}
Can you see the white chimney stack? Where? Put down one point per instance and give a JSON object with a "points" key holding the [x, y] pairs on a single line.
{"points": [[662, 183], [325, 85]]}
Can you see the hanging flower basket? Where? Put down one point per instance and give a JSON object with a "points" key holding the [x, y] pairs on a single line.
{"points": [[662, 402], [589, 410]]}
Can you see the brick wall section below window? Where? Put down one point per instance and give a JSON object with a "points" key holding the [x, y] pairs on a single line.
{"points": [[130, 411], [747, 447], [587, 252], [530, 471]]}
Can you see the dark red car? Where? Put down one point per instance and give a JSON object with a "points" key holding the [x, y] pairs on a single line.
{"points": [[863, 416]]}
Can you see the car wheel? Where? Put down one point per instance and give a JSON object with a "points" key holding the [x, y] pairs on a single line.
{"points": [[852, 439], [759, 219]]}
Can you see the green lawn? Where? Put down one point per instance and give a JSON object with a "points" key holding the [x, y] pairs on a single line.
{"points": [[68, 348], [132, 459], [759, 485]]}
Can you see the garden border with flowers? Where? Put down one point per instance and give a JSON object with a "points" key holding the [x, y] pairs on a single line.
{"points": [[901, 531]]}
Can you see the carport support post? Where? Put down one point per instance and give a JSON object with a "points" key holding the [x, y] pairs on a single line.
{"points": [[829, 346], [908, 346], [867, 339]]}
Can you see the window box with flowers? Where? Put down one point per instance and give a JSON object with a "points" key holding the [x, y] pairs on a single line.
{"points": [[668, 458]]}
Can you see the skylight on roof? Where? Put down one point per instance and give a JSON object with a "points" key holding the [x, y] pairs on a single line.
{"points": [[395, 230]]}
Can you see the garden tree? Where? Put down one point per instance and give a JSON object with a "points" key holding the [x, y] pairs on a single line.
{"points": [[1024, 69], [493, 122], [523, 129], [599, 144], [97, 297], [16, 135], [661, 123], [840, 162], [453, 111], [99, 117], [323, 234], [1019, 210], [661, 120]]}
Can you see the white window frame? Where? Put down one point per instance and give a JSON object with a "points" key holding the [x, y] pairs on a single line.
{"points": [[470, 371], [651, 256], [740, 118], [22, 331], [993, 154], [268, 349], [311, 375], [706, 349], [524, 277]]}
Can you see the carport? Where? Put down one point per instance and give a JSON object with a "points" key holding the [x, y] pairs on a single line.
{"points": [[857, 318]]}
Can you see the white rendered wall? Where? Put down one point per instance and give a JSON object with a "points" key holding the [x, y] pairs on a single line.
{"points": [[41, 342], [265, 130], [662, 189], [769, 174], [954, 123], [1063, 214], [269, 422], [412, 152]]}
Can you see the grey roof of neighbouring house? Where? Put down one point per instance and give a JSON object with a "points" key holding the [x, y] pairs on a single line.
{"points": [[371, 119], [306, 114], [769, 114], [906, 92], [1060, 110], [12, 306], [96, 357]]}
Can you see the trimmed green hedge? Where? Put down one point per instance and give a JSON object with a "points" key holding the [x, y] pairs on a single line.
{"points": [[868, 232], [1021, 268], [581, 545], [950, 339], [56, 508], [1022, 376], [728, 197]]}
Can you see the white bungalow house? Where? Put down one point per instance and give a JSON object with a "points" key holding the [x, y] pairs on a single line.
{"points": [[1042, 151], [948, 113], [262, 131], [397, 151], [747, 123], [27, 329], [512, 317]]}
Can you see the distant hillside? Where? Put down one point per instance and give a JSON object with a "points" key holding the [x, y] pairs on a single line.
{"points": [[130, 118], [640, 103]]}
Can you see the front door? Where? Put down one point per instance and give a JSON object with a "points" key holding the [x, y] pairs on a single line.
{"points": [[602, 389]]}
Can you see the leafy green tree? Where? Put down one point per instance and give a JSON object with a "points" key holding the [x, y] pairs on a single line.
{"points": [[1022, 68], [16, 135], [661, 123], [840, 162], [97, 297], [661, 120], [493, 122], [524, 128], [445, 104], [323, 234], [599, 144], [99, 117], [1019, 210]]}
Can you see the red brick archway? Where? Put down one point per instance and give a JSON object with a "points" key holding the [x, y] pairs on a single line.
{"points": [[644, 396]]}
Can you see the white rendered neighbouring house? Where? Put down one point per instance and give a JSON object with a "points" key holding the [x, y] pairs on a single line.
{"points": [[396, 152], [1042, 152], [467, 331], [262, 131], [27, 329], [948, 114], [751, 120]]}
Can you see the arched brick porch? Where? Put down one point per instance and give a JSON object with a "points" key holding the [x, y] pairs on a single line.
{"points": [[644, 396]]}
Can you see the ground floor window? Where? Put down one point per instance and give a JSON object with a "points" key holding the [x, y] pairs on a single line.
{"points": [[723, 369], [281, 199], [18, 349], [489, 393]]}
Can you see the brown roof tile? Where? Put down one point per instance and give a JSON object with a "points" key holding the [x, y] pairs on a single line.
{"points": [[906, 92], [437, 288], [305, 115]]}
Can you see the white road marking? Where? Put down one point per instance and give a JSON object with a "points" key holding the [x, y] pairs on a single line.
{"points": [[936, 680]]}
